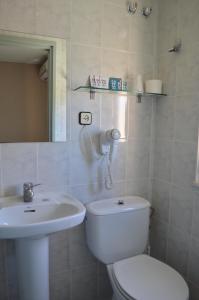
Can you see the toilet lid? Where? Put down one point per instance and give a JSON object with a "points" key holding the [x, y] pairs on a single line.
{"points": [[145, 278]]}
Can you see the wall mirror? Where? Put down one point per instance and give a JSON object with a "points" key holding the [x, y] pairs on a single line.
{"points": [[32, 88]]}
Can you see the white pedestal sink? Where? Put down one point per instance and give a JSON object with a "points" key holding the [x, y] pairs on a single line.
{"points": [[29, 225]]}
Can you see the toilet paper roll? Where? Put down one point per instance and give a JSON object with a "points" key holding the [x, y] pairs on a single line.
{"points": [[153, 86]]}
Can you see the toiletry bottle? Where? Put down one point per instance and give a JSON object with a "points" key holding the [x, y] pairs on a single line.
{"points": [[139, 85]]}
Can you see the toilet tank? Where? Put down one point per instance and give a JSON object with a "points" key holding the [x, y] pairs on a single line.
{"points": [[117, 228]]}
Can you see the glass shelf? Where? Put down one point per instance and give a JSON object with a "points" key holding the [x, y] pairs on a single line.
{"points": [[92, 92]]}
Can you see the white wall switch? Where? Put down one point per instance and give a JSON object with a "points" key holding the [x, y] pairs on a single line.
{"points": [[85, 118]]}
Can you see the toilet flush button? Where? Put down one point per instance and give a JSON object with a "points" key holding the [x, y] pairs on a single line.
{"points": [[120, 202]]}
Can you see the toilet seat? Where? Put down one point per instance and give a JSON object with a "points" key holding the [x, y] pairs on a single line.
{"points": [[144, 278]]}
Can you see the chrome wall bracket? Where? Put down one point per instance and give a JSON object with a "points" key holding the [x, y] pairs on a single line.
{"points": [[132, 7], [146, 11]]}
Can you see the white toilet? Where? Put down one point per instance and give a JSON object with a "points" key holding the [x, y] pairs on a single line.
{"points": [[117, 234]]}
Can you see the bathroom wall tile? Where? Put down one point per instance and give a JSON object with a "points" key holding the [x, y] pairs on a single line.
{"points": [[178, 247], [104, 285], [49, 13], [121, 3], [188, 21], [81, 102], [80, 255], [181, 209], [53, 164], [115, 27], [193, 268], [161, 199], [3, 270], [164, 117], [163, 160], [18, 166], [86, 281], [193, 291], [158, 238], [11, 270], [195, 225], [114, 63], [87, 193], [185, 63], [118, 166], [184, 162], [13, 16], [142, 38], [83, 159], [59, 252], [117, 190], [140, 116], [167, 72], [60, 287], [145, 65], [86, 61], [167, 23], [137, 187], [86, 22], [114, 114], [186, 118], [138, 159]]}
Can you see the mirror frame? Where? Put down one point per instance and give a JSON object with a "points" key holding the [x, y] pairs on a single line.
{"points": [[57, 87]]}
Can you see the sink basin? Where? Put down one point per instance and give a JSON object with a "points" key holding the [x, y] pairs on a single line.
{"points": [[30, 224], [41, 217]]}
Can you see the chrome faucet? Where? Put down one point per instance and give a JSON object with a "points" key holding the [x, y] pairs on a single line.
{"points": [[28, 193]]}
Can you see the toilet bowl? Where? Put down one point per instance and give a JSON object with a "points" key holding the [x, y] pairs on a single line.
{"points": [[117, 233], [143, 277]]}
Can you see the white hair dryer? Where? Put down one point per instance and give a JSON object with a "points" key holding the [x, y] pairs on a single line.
{"points": [[108, 145]]}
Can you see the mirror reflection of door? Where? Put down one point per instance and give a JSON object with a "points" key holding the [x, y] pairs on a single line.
{"points": [[24, 114]]}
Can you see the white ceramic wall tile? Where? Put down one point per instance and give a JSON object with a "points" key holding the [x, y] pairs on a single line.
{"points": [[115, 27], [158, 239], [184, 163], [86, 61], [181, 210], [53, 18], [83, 160], [80, 255], [18, 166], [163, 160], [114, 63], [167, 23], [186, 118], [178, 248], [86, 281], [86, 22], [164, 117], [140, 117], [161, 200], [114, 114], [80, 102], [18, 16], [167, 72], [138, 159], [142, 37], [187, 77], [53, 164], [193, 268], [188, 21], [194, 291]]}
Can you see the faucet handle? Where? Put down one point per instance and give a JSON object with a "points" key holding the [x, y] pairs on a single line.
{"points": [[30, 185]]}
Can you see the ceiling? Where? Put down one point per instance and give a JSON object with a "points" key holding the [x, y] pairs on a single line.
{"points": [[22, 54]]}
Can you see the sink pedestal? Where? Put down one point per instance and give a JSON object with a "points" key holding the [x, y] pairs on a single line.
{"points": [[33, 268]]}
